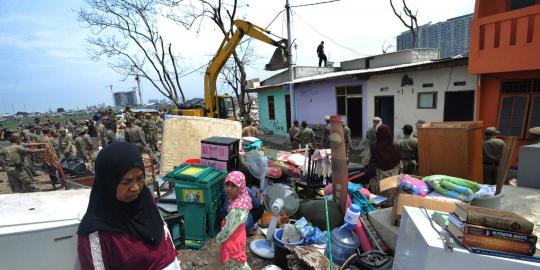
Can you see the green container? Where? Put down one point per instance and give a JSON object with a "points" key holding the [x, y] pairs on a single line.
{"points": [[190, 172], [207, 190], [194, 220]]}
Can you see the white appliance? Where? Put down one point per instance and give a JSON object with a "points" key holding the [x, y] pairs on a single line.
{"points": [[39, 230], [419, 247]]}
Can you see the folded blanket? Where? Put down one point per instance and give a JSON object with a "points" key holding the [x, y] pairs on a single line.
{"points": [[413, 186], [453, 187]]}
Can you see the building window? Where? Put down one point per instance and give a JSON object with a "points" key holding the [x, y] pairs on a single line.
{"points": [[427, 100], [341, 105], [271, 109], [342, 93], [520, 107], [517, 4]]}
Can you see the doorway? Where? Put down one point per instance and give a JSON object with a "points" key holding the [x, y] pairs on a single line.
{"points": [[354, 115], [459, 106], [288, 111], [384, 108]]}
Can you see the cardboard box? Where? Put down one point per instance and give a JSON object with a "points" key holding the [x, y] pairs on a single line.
{"points": [[404, 199]]}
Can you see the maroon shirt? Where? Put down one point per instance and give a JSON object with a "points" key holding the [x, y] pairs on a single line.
{"points": [[108, 250]]}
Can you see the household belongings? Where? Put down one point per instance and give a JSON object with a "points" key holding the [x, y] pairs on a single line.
{"points": [[198, 190], [220, 153], [251, 143], [191, 130], [413, 186], [491, 229], [453, 187], [344, 241], [420, 247], [429, 202]]}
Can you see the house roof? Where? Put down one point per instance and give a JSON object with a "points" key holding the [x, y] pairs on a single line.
{"points": [[365, 73]]}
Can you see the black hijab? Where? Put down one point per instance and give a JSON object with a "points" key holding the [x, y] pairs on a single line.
{"points": [[105, 213]]}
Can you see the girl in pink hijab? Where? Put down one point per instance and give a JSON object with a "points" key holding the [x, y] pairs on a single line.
{"points": [[232, 236]]}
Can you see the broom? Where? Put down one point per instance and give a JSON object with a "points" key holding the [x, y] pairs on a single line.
{"points": [[504, 164]]}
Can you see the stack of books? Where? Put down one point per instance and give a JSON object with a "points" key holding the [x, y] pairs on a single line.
{"points": [[493, 232]]}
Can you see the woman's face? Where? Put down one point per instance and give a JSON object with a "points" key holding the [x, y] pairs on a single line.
{"points": [[130, 186], [231, 189]]}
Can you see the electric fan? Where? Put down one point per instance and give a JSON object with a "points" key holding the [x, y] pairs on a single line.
{"points": [[279, 199], [257, 165]]}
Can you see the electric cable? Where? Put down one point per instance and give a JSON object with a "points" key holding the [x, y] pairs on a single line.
{"points": [[318, 3]]}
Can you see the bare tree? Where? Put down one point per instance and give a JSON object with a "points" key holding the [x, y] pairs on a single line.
{"points": [[222, 13], [412, 23], [385, 47], [126, 31]]}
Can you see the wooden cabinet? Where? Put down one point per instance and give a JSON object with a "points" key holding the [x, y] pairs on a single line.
{"points": [[451, 148]]}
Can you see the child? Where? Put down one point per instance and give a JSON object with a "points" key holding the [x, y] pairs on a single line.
{"points": [[232, 236]]}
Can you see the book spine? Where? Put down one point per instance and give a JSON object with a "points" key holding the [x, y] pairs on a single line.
{"points": [[499, 223], [505, 235], [505, 255], [486, 242]]}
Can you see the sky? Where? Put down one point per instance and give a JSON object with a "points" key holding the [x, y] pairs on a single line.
{"points": [[45, 64]]}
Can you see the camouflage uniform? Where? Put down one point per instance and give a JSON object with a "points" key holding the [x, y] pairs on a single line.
{"points": [[135, 135], [293, 131], [81, 146], [408, 147], [65, 146], [347, 140], [305, 137], [102, 134], [19, 177], [492, 154], [150, 129]]}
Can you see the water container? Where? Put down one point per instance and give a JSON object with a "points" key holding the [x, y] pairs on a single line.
{"points": [[344, 244]]}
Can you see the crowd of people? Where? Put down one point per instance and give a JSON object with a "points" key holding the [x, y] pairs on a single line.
{"points": [[81, 139]]}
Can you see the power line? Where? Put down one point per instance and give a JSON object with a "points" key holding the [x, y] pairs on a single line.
{"points": [[318, 3], [329, 38]]}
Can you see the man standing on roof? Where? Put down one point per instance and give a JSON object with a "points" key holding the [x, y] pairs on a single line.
{"points": [[493, 151], [321, 55]]}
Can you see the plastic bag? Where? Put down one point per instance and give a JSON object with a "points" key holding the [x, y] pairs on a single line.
{"points": [[310, 234]]}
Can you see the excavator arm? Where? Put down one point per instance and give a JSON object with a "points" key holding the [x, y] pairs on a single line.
{"points": [[226, 49]]}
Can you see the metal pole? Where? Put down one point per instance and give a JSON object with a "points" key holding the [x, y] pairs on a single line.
{"points": [[291, 65], [139, 88]]}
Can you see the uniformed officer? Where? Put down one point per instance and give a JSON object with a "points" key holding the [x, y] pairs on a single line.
{"points": [[371, 134], [134, 134], [325, 139], [408, 147], [347, 138], [150, 129], [65, 144], [80, 145], [19, 177], [492, 154], [293, 131], [306, 136]]}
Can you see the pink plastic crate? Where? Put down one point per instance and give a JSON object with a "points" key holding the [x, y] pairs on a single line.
{"points": [[216, 164], [214, 151]]}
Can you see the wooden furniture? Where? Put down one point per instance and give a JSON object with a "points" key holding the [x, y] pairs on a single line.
{"points": [[451, 148]]}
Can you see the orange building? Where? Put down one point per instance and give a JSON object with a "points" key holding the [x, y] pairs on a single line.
{"points": [[505, 54]]}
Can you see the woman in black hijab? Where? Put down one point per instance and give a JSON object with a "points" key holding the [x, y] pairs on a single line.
{"points": [[122, 228]]}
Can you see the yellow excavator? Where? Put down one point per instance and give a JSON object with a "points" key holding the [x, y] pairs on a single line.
{"points": [[222, 106]]}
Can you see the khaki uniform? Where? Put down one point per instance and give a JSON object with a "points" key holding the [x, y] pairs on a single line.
{"points": [[250, 131], [293, 131], [19, 177], [65, 146], [102, 134], [348, 140], [150, 129], [81, 149], [325, 143], [136, 136], [492, 154], [306, 136], [408, 147]]}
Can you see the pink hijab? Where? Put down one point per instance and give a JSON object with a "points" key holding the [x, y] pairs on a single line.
{"points": [[242, 199]]}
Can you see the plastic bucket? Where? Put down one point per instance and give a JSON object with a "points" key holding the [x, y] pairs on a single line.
{"points": [[280, 251], [488, 202], [193, 161]]}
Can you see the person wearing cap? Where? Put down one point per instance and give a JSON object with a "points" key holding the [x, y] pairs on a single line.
{"points": [[325, 139], [135, 135], [295, 129], [408, 148], [250, 130], [306, 136], [19, 177], [418, 124], [492, 153], [534, 135], [81, 147], [347, 138], [371, 132], [65, 144], [110, 127], [150, 131]]}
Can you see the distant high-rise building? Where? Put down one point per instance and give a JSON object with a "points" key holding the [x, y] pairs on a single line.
{"points": [[450, 36], [128, 98]]}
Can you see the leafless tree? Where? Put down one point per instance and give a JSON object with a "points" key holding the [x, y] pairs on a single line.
{"points": [[222, 13], [126, 31], [385, 47], [408, 20]]}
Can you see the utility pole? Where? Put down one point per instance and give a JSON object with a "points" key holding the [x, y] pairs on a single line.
{"points": [[291, 65], [139, 89]]}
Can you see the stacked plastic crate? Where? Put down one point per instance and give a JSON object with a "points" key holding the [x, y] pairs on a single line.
{"points": [[220, 153]]}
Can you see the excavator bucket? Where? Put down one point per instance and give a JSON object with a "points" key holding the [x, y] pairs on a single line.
{"points": [[278, 61]]}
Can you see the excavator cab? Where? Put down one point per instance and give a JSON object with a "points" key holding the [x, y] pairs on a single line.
{"points": [[226, 108]]}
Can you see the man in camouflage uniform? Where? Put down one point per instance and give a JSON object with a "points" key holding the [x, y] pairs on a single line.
{"points": [[408, 147], [347, 138], [19, 177], [80, 145], [102, 134], [492, 154], [306, 136], [110, 127], [150, 129], [65, 144], [134, 134], [295, 129]]}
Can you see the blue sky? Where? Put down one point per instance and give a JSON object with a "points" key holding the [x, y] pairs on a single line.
{"points": [[45, 65]]}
